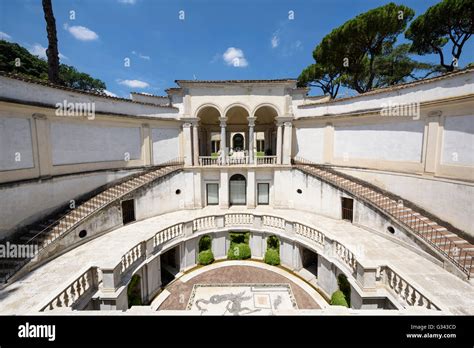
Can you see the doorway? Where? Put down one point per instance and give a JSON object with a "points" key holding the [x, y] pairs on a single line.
{"points": [[238, 190], [169, 261], [310, 261], [238, 142], [347, 208], [128, 211]]}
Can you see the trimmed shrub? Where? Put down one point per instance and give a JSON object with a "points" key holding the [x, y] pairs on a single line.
{"points": [[239, 251], [205, 257], [205, 243], [338, 299], [239, 237], [345, 287], [272, 257]]}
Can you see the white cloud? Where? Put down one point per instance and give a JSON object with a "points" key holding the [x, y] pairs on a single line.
{"points": [[134, 83], [109, 93], [142, 56], [128, 2], [81, 33], [235, 57], [40, 51], [275, 40], [4, 36]]}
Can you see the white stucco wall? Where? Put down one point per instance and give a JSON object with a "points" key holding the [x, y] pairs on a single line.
{"points": [[390, 142], [450, 201], [458, 141], [16, 150], [310, 143], [165, 144], [79, 143], [25, 203]]}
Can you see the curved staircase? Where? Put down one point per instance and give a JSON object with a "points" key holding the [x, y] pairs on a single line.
{"points": [[47, 232], [441, 238]]}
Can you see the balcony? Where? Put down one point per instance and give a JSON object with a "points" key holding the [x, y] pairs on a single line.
{"points": [[207, 161]]}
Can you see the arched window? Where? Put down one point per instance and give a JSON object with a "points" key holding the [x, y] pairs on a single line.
{"points": [[238, 190]]}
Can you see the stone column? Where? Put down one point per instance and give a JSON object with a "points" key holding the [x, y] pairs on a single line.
{"points": [[43, 141], [188, 157], [223, 121], [195, 144], [287, 143], [251, 139], [279, 141], [147, 145]]}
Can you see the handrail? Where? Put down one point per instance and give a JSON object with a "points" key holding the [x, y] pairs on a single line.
{"points": [[396, 210], [69, 221]]}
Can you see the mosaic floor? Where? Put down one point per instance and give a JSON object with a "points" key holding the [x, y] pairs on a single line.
{"points": [[241, 299]]}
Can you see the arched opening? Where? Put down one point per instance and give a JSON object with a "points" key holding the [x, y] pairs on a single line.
{"points": [[205, 255], [238, 142], [237, 130], [209, 131], [237, 190], [272, 254], [265, 131]]}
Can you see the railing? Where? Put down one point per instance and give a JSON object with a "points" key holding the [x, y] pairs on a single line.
{"points": [[209, 161], [68, 221], [167, 234], [237, 160], [346, 256], [404, 291], [415, 222], [274, 222], [204, 223], [241, 160], [309, 233], [86, 284], [135, 254], [238, 219], [266, 160]]}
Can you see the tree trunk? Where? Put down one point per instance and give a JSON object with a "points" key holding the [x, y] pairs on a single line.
{"points": [[52, 51]]}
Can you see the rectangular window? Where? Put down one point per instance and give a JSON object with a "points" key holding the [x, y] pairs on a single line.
{"points": [[212, 194], [263, 193], [260, 145], [215, 146]]}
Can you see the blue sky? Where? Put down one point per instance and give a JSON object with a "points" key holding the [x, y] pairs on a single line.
{"points": [[214, 36]]}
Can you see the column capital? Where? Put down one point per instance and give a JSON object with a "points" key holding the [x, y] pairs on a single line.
{"points": [[288, 124], [251, 121], [38, 116], [187, 125], [223, 121]]}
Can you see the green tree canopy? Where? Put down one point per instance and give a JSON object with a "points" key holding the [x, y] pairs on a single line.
{"points": [[361, 54], [17, 59], [447, 21]]}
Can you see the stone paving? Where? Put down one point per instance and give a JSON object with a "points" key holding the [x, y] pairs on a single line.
{"points": [[39, 286], [180, 291]]}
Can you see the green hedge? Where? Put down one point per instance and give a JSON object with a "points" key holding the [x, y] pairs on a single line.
{"points": [[205, 257], [205, 243], [272, 257], [345, 287], [239, 251], [338, 299], [239, 237]]}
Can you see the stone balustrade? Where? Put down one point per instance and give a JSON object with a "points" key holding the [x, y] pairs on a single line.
{"points": [[274, 222], [204, 223], [238, 219], [346, 256], [405, 292], [135, 254], [85, 284], [167, 234], [309, 233]]}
